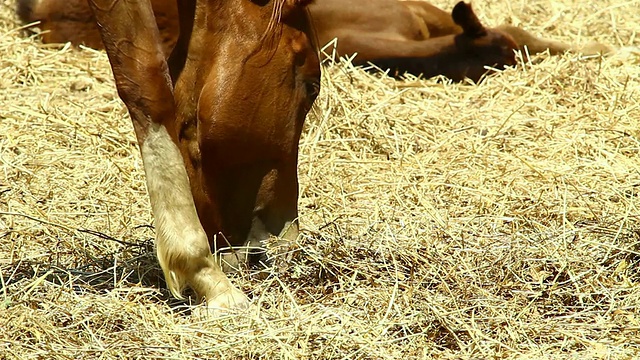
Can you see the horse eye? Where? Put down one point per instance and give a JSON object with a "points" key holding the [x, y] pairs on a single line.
{"points": [[313, 88]]}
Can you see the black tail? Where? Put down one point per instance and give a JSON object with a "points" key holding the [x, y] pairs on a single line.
{"points": [[25, 10]]}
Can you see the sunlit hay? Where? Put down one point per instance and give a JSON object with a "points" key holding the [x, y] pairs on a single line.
{"points": [[440, 220]]}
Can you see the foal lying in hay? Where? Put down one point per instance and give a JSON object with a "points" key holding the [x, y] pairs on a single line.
{"points": [[401, 36]]}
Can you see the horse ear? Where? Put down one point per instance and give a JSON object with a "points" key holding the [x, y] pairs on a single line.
{"points": [[464, 16]]}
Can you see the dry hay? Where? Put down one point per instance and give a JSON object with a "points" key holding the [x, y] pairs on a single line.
{"points": [[441, 220]]}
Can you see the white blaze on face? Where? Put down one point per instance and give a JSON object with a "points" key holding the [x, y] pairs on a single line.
{"points": [[181, 243]]}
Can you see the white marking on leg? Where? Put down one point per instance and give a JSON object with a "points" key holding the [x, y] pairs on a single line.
{"points": [[181, 243]]}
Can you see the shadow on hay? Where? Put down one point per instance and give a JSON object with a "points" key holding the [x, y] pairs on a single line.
{"points": [[133, 264]]}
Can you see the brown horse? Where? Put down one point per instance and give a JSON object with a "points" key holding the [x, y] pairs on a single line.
{"points": [[410, 36], [218, 112], [436, 22], [218, 129], [394, 37], [73, 21]]}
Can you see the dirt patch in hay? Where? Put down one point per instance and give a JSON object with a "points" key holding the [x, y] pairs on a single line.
{"points": [[441, 220]]}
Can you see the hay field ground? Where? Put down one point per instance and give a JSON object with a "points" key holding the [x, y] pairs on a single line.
{"points": [[444, 221]]}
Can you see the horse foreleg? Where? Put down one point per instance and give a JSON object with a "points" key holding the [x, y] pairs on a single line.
{"points": [[132, 41]]}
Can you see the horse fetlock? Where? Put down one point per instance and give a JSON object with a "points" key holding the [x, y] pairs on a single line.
{"points": [[191, 263], [181, 256], [212, 284]]}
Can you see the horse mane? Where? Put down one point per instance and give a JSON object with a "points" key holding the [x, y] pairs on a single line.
{"points": [[274, 21], [272, 34]]}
